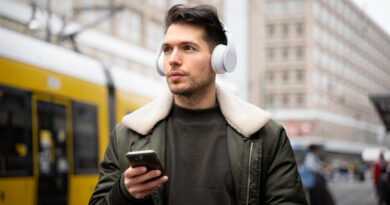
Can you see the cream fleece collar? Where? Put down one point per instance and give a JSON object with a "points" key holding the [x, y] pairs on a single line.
{"points": [[242, 116]]}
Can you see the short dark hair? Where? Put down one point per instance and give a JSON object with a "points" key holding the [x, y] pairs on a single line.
{"points": [[314, 147], [202, 15]]}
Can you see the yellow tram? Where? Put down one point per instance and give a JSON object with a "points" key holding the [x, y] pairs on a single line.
{"points": [[56, 111]]}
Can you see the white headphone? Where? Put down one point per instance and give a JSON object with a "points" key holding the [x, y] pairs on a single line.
{"points": [[223, 58]]}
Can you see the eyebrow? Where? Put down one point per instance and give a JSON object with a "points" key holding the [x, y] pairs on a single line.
{"points": [[182, 43]]}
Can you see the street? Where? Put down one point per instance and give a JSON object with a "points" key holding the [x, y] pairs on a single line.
{"points": [[353, 193]]}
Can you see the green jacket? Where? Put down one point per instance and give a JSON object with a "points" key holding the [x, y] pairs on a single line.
{"points": [[262, 161]]}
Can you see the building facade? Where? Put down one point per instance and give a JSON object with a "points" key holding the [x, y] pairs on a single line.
{"points": [[313, 65], [119, 33]]}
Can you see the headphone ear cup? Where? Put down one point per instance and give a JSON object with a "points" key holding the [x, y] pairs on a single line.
{"points": [[230, 58], [224, 58], [160, 63], [217, 59]]}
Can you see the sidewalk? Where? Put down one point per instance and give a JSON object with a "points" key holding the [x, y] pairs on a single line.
{"points": [[353, 193]]}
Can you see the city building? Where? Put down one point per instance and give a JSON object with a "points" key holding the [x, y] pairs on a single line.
{"points": [[313, 65], [119, 33]]}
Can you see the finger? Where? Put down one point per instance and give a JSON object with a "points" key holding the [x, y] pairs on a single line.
{"points": [[145, 177], [141, 190], [155, 183], [132, 172], [143, 194]]}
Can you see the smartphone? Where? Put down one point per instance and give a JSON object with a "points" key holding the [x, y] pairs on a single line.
{"points": [[146, 158]]}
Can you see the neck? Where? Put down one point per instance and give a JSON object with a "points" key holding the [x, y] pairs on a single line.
{"points": [[198, 100]]}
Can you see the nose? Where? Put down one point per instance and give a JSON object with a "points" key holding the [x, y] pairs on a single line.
{"points": [[174, 58]]}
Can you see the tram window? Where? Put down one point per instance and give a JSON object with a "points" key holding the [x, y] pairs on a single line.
{"points": [[15, 133], [85, 138]]}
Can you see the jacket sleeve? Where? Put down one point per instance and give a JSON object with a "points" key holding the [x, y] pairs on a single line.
{"points": [[110, 188], [283, 183]]}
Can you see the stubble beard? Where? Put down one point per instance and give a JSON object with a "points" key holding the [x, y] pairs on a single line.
{"points": [[195, 90]]}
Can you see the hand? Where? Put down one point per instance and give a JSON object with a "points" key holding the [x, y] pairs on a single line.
{"points": [[137, 184]]}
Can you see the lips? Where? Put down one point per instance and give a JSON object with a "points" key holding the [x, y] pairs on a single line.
{"points": [[176, 75]]}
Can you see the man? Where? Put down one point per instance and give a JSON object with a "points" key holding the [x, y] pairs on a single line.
{"points": [[381, 180], [216, 148]]}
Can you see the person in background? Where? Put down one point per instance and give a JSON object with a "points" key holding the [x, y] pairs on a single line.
{"points": [[381, 180], [216, 148], [318, 192]]}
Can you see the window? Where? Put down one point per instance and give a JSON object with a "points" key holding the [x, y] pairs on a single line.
{"points": [[270, 53], [85, 138], [285, 7], [285, 29], [51, 136], [285, 99], [340, 7], [299, 29], [300, 6], [271, 8], [285, 53], [270, 30], [300, 75], [316, 32], [270, 76], [331, 3], [154, 34], [129, 25], [316, 9], [91, 16], [270, 100], [15, 133], [325, 16], [300, 52], [300, 98], [285, 76]]}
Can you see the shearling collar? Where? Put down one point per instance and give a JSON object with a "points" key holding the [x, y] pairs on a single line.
{"points": [[242, 116]]}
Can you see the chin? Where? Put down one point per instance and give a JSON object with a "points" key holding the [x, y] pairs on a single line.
{"points": [[179, 90]]}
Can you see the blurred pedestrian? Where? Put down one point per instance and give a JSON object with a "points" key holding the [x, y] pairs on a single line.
{"points": [[381, 180], [359, 172], [343, 171], [311, 170]]}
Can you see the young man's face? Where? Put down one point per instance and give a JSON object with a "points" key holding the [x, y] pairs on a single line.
{"points": [[187, 60]]}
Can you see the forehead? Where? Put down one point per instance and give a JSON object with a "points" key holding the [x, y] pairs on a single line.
{"points": [[177, 33]]}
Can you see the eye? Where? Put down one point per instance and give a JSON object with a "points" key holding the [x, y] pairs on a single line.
{"points": [[167, 49], [189, 48]]}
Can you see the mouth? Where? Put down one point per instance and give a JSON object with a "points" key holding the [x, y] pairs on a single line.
{"points": [[175, 75]]}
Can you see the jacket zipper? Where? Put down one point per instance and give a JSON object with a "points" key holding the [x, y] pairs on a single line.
{"points": [[249, 174]]}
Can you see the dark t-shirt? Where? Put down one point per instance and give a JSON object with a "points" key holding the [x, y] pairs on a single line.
{"points": [[197, 159]]}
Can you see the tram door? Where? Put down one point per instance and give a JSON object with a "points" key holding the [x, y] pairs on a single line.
{"points": [[52, 153]]}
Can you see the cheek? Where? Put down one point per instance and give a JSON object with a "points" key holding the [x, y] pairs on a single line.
{"points": [[165, 64], [201, 64]]}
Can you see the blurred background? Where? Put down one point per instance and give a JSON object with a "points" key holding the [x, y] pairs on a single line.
{"points": [[71, 69]]}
